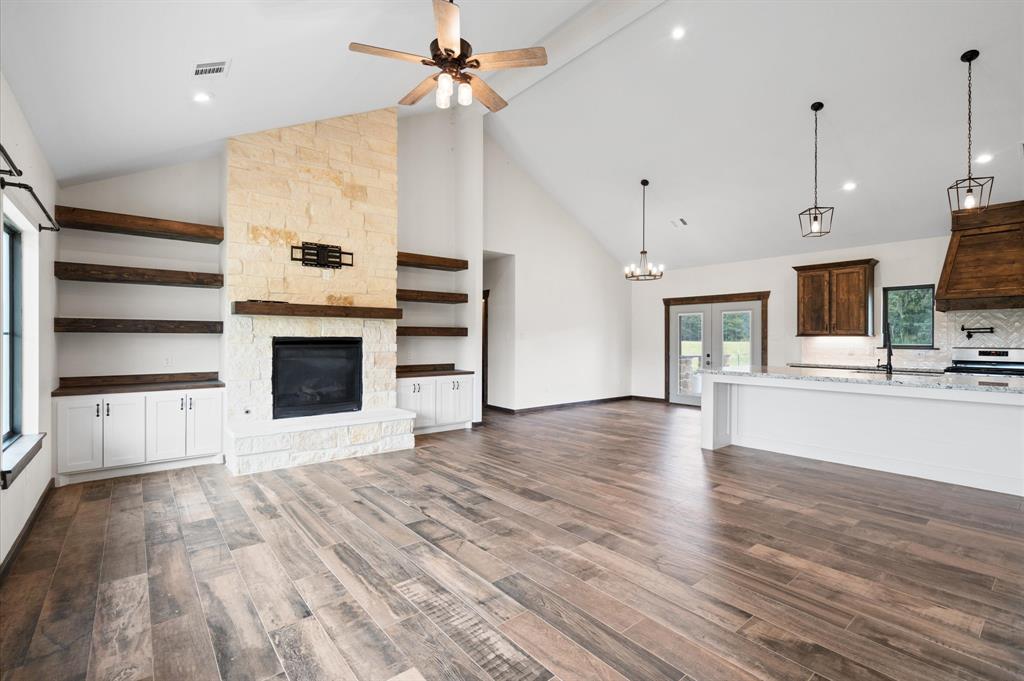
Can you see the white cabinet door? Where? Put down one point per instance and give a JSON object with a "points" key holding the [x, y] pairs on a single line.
{"points": [[447, 401], [124, 429], [79, 433], [165, 425], [417, 395], [203, 422], [463, 399]]}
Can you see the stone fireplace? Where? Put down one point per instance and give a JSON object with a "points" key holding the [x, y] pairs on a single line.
{"points": [[331, 182]]}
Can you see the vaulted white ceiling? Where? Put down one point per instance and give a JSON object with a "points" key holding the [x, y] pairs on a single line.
{"points": [[107, 84], [719, 121]]}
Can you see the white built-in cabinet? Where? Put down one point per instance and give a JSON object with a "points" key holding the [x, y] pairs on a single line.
{"points": [[438, 400], [107, 431]]}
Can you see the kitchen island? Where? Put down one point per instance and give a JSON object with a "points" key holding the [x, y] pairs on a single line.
{"points": [[956, 428]]}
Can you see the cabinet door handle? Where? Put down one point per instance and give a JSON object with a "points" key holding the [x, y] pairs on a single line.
{"points": [[181, 407], [108, 408], [190, 404], [97, 410]]}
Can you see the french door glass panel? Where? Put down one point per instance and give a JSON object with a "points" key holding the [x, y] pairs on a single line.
{"points": [[691, 350], [737, 341]]}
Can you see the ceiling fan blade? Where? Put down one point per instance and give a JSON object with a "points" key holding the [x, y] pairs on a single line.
{"points": [[510, 59], [420, 91], [384, 52], [449, 35], [487, 96]]}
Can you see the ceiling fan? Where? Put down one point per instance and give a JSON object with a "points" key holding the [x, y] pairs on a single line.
{"points": [[453, 56]]}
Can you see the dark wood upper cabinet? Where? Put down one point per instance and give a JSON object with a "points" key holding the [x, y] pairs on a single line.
{"points": [[836, 298], [812, 303]]}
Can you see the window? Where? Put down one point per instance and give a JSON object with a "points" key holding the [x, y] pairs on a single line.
{"points": [[910, 312], [11, 309]]}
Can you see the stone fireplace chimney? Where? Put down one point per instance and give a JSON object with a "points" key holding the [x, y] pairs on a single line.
{"points": [[331, 182]]}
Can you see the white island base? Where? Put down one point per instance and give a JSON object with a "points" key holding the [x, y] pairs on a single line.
{"points": [[960, 430]]}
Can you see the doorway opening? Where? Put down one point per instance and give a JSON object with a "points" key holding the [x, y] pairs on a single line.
{"points": [[498, 336], [729, 330]]}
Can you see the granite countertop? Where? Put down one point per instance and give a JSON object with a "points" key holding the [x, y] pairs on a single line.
{"points": [[995, 384]]}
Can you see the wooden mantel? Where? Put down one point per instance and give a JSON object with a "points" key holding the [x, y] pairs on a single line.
{"points": [[270, 308]]}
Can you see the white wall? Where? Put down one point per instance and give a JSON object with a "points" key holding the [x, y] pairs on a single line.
{"points": [[16, 503], [190, 192], [900, 263], [500, 280], [440, 212], [572, 340]]}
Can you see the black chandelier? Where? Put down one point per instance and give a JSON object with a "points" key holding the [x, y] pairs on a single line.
{"points": [[816, 220], [645, 271], [970, 193]]}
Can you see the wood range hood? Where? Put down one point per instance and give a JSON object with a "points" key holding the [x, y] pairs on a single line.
{"points": [[984, 266]]}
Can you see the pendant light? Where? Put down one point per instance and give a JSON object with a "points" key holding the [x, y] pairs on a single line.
{"points": [[816, 220], [970, 193], [645, 271]]}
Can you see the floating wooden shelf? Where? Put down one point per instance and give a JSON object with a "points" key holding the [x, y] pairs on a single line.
{"points": [[270, 308], [78, 325], [79, 271], [433, 331], [135, 383], [413, 296], [424, 370], [118, 223], [431, 262]]}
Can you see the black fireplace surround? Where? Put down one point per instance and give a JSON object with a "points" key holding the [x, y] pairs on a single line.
{"points": [[317, 376]]}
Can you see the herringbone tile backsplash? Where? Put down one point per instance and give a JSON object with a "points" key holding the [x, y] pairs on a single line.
{"points": [[1008, 326]]}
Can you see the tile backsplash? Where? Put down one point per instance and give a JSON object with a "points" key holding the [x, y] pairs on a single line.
{"points": [[1009, 333]]}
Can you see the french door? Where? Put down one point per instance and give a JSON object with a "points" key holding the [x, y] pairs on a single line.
{"points": [[726, 335]]}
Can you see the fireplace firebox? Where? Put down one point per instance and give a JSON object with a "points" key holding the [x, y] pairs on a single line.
{"points": [[317, 376]]}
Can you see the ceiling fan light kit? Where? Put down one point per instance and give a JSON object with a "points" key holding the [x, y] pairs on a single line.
{"points": [[970, 193], [453, 56], [817, 220], [645, 271]]}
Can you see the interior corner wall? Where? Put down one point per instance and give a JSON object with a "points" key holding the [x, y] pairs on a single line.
{"points": [[572, 305], [190, 192], [39, 357]]}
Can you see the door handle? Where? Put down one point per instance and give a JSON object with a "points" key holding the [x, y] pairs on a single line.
{"points": [[108, 408], [181, 407], [190, 404], [97, 410]]}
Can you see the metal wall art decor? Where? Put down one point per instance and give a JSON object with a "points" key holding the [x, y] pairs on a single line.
{"points": [[312, 254], [816, 220], [970, 193]]}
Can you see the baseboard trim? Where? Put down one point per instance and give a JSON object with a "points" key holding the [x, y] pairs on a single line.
{"points": [[571, 405], [23, 535]]}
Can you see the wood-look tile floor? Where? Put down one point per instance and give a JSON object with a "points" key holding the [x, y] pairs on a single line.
{"points": [[596, 543]]}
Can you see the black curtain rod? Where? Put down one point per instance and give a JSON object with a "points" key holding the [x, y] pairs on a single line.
{"points": [[14, 171]]}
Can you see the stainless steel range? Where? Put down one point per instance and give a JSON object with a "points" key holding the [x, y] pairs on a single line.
{"points": [[993, 361]]}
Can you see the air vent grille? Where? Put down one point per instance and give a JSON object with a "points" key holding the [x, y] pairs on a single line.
{"points": [[210, 68]]}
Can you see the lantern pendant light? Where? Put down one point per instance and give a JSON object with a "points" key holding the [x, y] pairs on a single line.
{"points": [[816, 220], [970, 193], [646, 271]]}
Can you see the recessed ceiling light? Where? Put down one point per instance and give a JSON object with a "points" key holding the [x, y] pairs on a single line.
{"points": [[201, 97], [984, 158], [678, 32], [850, 186]]}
